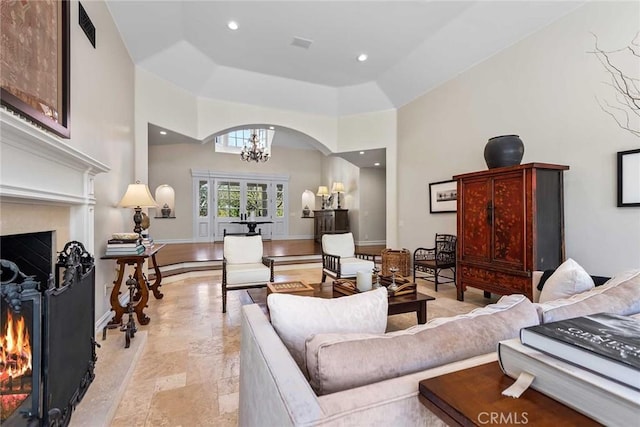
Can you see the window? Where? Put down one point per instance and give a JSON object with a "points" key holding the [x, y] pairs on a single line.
{"points": [[258, 199], [228, 199], [203, 202], [280, 195], [234, 141]]}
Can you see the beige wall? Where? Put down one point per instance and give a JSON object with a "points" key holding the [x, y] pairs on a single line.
{"points": [[543, 89], [102, 123], [172, 164], [373, 214], [163, 104]]}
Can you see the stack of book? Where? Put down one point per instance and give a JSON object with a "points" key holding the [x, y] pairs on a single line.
{"points": [[121, 244], [147, 241], [590, 363]]}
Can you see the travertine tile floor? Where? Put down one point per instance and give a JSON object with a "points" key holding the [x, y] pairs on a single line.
{"points": [[189, 370]]}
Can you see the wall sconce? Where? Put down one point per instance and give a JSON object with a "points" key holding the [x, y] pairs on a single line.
{"points": [[166, 199], [137, 196], [338, 188], [308, 203], [323, 192]]}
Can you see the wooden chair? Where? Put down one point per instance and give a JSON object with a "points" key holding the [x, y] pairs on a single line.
{"points": [[243, 266], [431, 261], [339, 257]]}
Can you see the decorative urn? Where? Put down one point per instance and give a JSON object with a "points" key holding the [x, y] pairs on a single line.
{"points": [[504, 150]]}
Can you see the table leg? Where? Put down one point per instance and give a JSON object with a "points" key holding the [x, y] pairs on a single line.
{"points": [[115, 302], [155, 288], [143, 319], [252, 227], [422, 313]]}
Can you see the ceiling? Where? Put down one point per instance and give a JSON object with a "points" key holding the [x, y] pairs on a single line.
{"points": [[412, 47]]}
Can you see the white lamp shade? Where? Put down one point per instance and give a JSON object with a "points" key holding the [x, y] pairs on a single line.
{"points": [[137, 195], [338, 187], [165, 194], [323, 190], [309, 199]]}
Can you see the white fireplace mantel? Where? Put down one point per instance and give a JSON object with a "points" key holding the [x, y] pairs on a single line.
{"points": [[38, 167]]}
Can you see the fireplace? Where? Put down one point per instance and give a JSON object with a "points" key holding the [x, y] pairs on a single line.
{"points": [[47, 354]]}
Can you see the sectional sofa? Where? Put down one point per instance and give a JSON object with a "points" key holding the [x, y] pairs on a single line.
{"points": [[372, 379]]}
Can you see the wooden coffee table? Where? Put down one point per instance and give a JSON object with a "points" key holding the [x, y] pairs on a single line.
{"points": [[402, 304], [473, 397]]}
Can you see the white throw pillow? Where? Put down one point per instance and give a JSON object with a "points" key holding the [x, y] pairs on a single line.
{"points": [[568, 279], [297, 318]]}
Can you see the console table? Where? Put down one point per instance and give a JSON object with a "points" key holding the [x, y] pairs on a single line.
{"points": [[474, 397], [143, 288], [330, 221]]}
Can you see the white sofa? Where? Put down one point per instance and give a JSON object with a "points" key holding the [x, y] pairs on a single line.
{"points": [[275, 392]]}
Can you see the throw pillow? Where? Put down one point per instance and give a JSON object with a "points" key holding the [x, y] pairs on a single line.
{"points": [[568, 279], [620, 295], [297, 318]]}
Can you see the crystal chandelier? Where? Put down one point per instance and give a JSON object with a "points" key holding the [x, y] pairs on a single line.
{"points": [[255, 150]]}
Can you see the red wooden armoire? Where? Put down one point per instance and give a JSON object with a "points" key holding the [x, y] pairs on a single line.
{"points": [[510, 223]]}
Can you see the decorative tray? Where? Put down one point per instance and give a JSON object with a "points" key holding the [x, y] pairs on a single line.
{"points": [[293, 287], [348, 287]]}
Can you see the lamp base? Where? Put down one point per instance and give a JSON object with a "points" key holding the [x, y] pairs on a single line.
{"points": [[137, 220]]}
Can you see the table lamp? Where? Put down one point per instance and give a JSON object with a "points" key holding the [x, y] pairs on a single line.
{"points": [[323, 192], [137, 197], [338, 188]]}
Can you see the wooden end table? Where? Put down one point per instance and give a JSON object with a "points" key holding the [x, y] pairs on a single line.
{"points": [[472, 397], [143, 290]]}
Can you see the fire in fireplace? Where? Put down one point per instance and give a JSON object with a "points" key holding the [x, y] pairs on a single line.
{"points": [[15, 363], [47, 345]]}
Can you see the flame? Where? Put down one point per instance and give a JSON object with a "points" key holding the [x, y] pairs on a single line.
{"points": [[15, 349]]}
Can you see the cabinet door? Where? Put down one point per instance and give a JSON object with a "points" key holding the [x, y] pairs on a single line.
{"points": [[509, 220], [475, 227]]}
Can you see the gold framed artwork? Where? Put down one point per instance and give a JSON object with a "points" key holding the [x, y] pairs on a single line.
{"points": [[34, 61]]}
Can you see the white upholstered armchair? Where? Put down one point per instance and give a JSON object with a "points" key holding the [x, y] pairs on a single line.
{"points": [[339, 257], [243, 266]]}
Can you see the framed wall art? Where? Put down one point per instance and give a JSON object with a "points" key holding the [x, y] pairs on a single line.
{"points": [[443, 196], [629, 178], [34, 61]]}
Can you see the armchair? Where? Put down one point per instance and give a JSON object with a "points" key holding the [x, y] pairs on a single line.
{"points": [[243, 266], [339, 257], [431, 261]]}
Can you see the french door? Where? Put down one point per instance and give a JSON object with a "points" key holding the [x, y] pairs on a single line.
{"points": [[222, 199]]}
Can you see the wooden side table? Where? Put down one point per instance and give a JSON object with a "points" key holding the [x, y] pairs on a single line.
{"points": [[472, 397], [143, 289]]}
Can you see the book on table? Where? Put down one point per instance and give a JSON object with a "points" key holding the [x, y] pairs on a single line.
{"points": [[123, 244], [596, 396], [136, 250], [607, 344]]}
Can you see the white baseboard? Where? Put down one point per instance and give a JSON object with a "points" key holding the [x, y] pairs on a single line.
{"points": [[104, 319], [371, 242]]}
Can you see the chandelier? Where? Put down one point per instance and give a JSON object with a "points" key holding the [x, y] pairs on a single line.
{"points": [[255, 150]]}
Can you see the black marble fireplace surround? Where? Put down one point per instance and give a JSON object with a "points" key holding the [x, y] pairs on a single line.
{"points": [[54, 302]]}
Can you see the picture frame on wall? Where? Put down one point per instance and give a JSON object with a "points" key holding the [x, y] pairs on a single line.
{"points": [[34, 52], [629, 178], [443, 196]]}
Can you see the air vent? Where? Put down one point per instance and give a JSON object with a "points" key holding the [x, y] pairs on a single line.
{"points": [[301, 42], [87, 26]]}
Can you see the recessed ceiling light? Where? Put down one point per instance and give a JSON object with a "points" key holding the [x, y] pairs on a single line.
{"points": [[362, 57], [232, 25], [376, 164], [163, 132], [362, 152], [271, 127]]}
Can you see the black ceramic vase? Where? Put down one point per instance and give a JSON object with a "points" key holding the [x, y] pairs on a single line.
{"points": [[505, 150]]}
